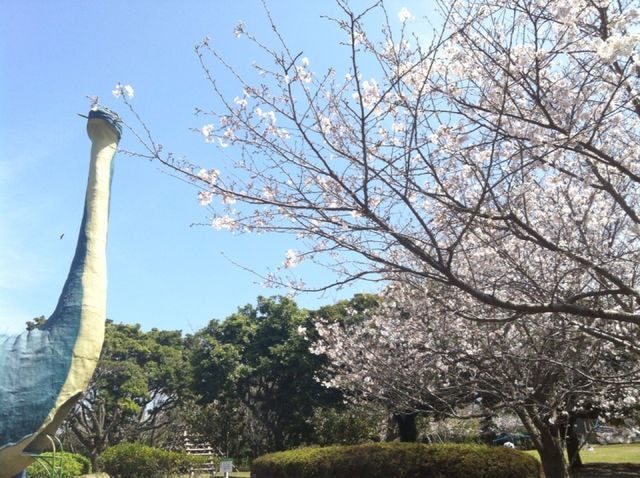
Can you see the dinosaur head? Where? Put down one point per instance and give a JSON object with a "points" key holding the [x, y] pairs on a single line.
{"points": [[111, 117]]}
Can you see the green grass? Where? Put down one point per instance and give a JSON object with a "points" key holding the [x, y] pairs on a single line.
{"points": [[235, 474], [625, 453]]}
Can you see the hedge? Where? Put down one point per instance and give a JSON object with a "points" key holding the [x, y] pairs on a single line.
{"points": [[59, 464], [397, 460], [134, 460]]}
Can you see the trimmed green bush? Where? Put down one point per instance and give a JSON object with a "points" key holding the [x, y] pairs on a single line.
{"points": [[399, 460], [134, 460], [59, 464]]}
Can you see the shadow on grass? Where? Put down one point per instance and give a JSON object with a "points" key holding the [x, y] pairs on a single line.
{"points": [[607, 470]]}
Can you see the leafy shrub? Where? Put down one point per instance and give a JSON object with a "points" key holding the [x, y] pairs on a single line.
{"points": [[59, 464], [351, 426], [400, 460], [134, 460]]}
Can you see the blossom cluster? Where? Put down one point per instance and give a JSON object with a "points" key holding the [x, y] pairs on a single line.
{"points": [[412, 352], [123, 90]]}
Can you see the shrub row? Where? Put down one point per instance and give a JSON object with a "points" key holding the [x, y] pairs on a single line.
{"points": [[127, 460], [134, 460], [399, 460], [59, 464]]}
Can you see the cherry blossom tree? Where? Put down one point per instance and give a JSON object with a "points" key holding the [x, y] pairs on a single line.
{"points": [[414, 355], [496, 153], [494, 157]]}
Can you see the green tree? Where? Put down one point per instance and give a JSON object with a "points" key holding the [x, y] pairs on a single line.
{"points": [[140, 379], [349, 425], [349, 311], [260, 357], [224, 423]]}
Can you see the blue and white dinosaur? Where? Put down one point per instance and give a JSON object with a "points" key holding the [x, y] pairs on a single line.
{"points": [[45, 370]]}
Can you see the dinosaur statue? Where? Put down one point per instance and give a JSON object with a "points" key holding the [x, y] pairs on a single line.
{"points": [[45, 370]]}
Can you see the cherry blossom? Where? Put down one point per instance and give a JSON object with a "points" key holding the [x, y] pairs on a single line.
{"points": [[123, 90], [292, 259], [414, 354], [404, 15], [239, 29]]}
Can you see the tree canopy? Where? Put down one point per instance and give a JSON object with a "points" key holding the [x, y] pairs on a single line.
{"points": [[258, 359], [411, 356], [140, 378]]}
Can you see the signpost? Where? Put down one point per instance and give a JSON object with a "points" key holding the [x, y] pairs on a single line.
{"points": [[226, 466]]}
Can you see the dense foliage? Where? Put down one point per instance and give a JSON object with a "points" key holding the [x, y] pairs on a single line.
{"points": [[140, 378], [246, 385], [400, 460], [274, 376], [134, 460], [59, 464], [259, 371]]}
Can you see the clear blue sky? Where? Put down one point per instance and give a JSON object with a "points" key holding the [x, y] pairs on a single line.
{"points": [[162, 272]]}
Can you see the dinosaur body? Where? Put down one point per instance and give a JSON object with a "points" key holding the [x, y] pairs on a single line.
{"points": [[45, 370]]}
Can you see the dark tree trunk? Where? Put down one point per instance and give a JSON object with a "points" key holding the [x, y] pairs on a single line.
{"points": [[573, 449], [407, 427], [551, 453], [547, 440]]}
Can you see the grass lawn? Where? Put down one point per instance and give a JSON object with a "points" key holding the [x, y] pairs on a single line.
{"points": [[626, 453], [235, 474]]}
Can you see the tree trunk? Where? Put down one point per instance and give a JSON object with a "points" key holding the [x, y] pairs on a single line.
{"points": [[573, 449], [553, 463], [551, 452], [407, 427], [95, 464], [547, 441]]}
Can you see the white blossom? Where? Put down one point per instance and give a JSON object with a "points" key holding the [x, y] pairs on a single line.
{"points": [[292, 259], [210, 176], [238, 31], [225, 222], [242, 102], [404, 15], [120, 90], [207, 132], [205, 197]]}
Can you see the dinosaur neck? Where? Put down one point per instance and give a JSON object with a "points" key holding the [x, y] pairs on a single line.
{"points": [[83, 297]]}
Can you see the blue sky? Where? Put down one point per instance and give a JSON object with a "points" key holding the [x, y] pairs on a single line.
{"points": [[163, 273]]}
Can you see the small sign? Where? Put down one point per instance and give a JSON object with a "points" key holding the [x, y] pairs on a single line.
{"points": [[226, 465]]}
